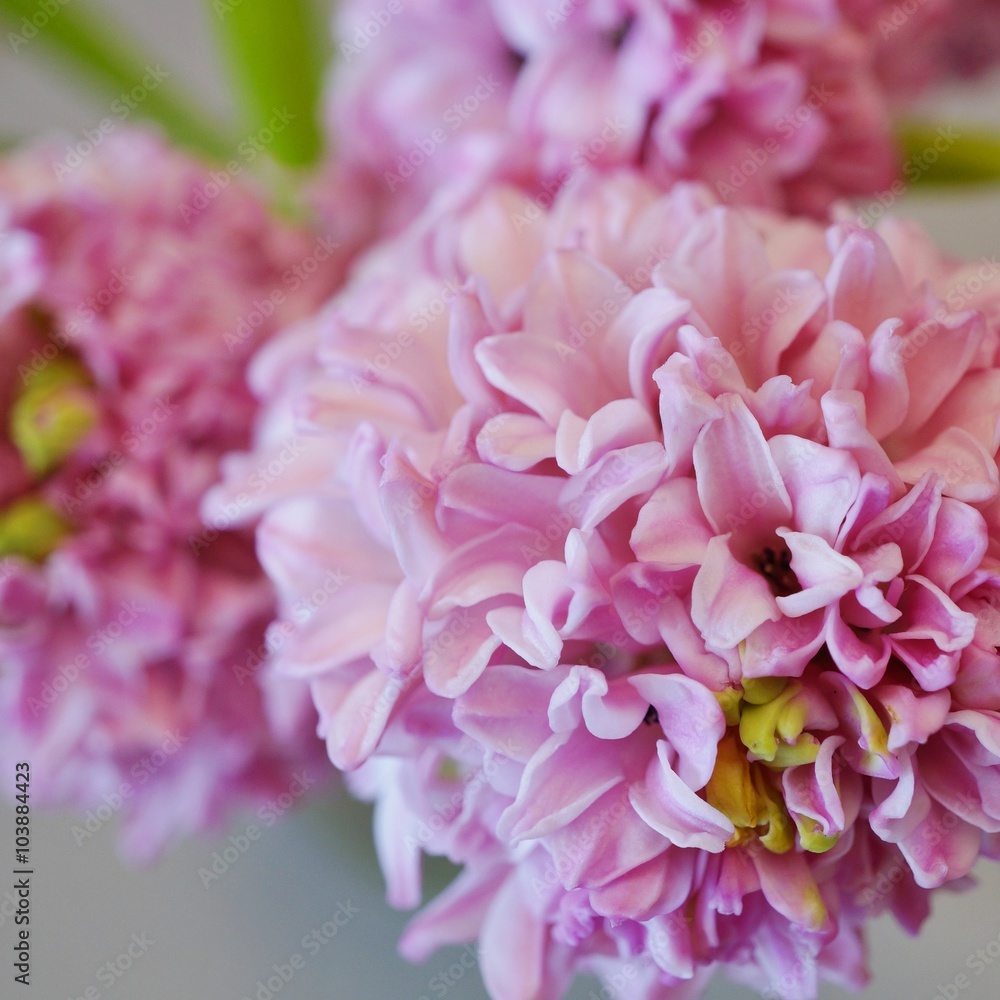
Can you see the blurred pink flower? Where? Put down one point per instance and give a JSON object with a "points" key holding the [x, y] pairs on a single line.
{"points": [[784, 105], [670, 532], [134, 285]]}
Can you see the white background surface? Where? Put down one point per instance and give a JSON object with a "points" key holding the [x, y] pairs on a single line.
{"points": [[216, 943]]}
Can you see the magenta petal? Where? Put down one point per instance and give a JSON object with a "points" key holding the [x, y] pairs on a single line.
{"points": [[537, 644], [722, 250], [645, 333], [939, 627], [985, 726], [909, 523], [615, 714], [685, 408], [968, 791], [616, 478], [398, 851], [356, 724], [864, 282], [325, 643], [500, 495], [822, 483], [783, 648], [669, 942], [810, 790], [546, 376], [618, 424], [467, 327], [408, 506], [888, 393], [914, 718], [847, 428], [566, 705], [490, 565], [959, 544], [935, 369], [793, 298]]}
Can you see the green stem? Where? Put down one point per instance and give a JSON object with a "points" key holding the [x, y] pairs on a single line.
{"points": [[276, 51], [105, 53], [950, 154]]}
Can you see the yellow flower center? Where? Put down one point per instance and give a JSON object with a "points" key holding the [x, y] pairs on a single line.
{"points": [[766, 718], [743, 791], [31, 529], [55, 410]]}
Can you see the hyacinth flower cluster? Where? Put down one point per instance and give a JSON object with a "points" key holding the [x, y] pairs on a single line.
{"points": [[785, 105], [672, 538], [133, 290]]}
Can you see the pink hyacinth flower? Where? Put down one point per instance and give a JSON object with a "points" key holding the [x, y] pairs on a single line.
{"points": [[132, 635], [670, 531], [784, 105]]}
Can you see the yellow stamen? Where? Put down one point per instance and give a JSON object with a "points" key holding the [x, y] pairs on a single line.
{"points": [[741, 791], [875, 740], [811, 835], [759, 724], [804, 750], [449, 770], [761, 690], [730, 702], [730, 789], [780, 835], [53, 413], [31, 529]]}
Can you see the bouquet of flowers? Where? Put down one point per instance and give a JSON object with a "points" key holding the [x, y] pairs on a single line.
{"points": [[562, 436]]}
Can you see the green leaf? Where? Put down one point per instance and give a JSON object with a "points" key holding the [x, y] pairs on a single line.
{"points": [[103, 52], [949, 154], [276, 52]]}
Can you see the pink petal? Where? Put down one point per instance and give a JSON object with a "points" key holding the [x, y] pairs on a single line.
{"points": [[969, 470], [618, 424], [455, 915], [505, 710], [671, 529], [671, 808], [456, 652], [516, 441], [738, 482], [822, 483], [691, 719], [729, 600], [789, 887], [824, 574], [659, 885], [560, 781], [616, 478]]}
